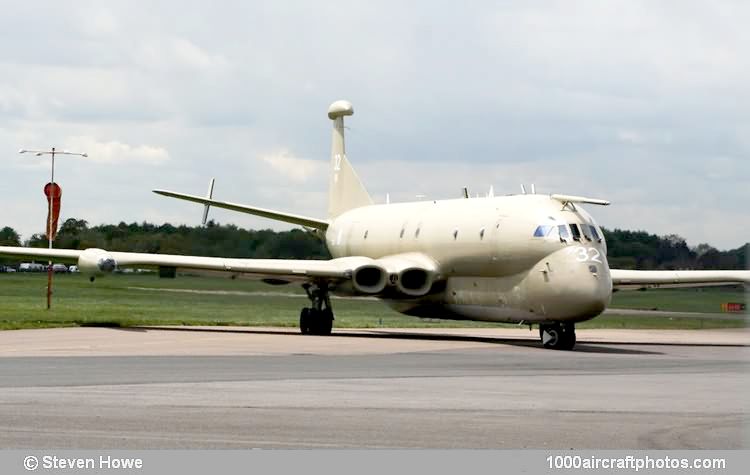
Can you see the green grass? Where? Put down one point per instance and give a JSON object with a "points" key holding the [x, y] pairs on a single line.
{"points": [[113, 301], [661, 322], [706, 300]]}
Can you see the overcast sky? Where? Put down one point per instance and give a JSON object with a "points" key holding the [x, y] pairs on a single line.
{"points": [[646, 104]]}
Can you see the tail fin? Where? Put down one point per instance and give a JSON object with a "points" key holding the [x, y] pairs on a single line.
{"points": [[345, 190]]}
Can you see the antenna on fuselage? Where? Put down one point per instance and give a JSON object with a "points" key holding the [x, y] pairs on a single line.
{"points": [[523, 189], [465, 192], [533, 189], [387, 198], [491, 193]]}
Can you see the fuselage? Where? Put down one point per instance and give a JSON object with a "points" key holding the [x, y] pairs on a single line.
{"points": [[518, 258]]}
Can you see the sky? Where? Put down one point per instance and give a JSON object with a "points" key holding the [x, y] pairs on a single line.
{"points": [[642, 103]]}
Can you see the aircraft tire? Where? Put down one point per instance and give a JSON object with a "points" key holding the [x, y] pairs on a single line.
{"points": [[320, 321], [305, 321], [324, 322], [558, 336]]}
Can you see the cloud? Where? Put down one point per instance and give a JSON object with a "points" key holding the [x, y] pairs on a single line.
{"points": [[630, 136], [117, 152], [169, 54], [635, 101], [298, 170]]}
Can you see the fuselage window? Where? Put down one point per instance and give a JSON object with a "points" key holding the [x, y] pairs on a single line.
{"points": [[416, 233], [366, 231], [576, 232], [595, 233], [455, 234], [562, 230], [481, 233], [542, 230], [402, 233], [585, 231]]}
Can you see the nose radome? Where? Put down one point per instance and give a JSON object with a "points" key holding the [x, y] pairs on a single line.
{"points": [[575, 289], [593, 288]]}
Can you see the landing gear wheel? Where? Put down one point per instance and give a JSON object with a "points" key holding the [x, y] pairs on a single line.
{"points": [[558, 336], [324, 322], [318, 319], [305, 321]]}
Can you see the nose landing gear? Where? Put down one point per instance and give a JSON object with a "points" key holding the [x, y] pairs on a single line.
{"points": [[318, 319], [558, 335]]}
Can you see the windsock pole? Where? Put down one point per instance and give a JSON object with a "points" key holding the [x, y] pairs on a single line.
{"points": [[51, 201], [53, 192]]}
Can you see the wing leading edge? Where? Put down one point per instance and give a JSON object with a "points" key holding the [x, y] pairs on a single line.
{"points": [[641, 279], [341, 268]]}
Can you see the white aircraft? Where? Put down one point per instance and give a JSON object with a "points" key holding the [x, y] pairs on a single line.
{"points": [[528, 258]]}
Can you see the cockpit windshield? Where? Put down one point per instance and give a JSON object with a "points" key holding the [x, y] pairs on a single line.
{"points": [[566, 232], [585, 231], [576, 232]]}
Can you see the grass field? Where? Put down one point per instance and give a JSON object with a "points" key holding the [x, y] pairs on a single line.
{"points": [[133, 299]]}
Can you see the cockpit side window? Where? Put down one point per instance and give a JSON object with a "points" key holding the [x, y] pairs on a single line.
{"points": [[595, 233], [542, 230], [576, 232]]}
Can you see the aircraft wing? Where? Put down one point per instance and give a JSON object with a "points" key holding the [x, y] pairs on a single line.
{"points": [[34, 253], [101, 261], [643, 279]]}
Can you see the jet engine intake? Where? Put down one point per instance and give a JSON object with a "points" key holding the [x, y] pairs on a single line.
{"points": [[369, 279], [411, 274], [415, 280]]}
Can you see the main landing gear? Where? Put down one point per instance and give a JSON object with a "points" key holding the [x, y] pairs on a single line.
{"points": [[558, 335], [318, 319]]}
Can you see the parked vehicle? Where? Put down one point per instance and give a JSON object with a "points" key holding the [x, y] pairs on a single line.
{"points": [[31, 267], [60, 269]]}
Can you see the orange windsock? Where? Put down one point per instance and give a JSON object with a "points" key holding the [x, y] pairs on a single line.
{"points": [[53, 193]]}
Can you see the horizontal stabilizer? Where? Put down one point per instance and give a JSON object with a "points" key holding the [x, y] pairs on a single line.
{"points": [[266, 213]]}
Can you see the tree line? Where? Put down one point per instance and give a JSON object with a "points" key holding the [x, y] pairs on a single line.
{"points": [[625, 249]]}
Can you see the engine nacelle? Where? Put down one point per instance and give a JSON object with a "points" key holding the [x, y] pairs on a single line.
{"points": [[96, 262], [369, 279], [411, 273]]}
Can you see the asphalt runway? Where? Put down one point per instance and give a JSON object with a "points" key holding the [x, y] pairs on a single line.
{"points": [[477, 388]]}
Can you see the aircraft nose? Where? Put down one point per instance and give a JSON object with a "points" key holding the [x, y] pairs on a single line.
{"points": [[593, 292], [593, 288], [576, 289]]}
